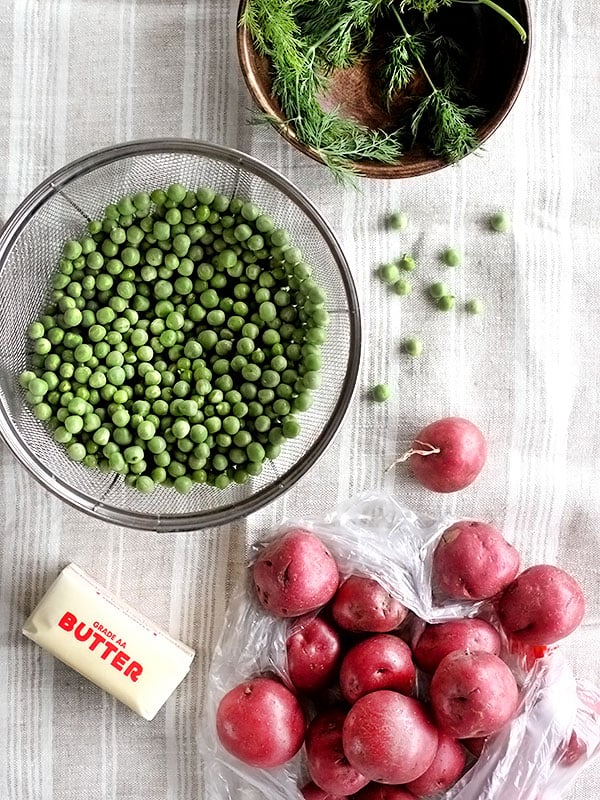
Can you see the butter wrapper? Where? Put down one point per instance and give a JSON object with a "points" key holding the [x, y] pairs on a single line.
{"points": [[111, 644]]}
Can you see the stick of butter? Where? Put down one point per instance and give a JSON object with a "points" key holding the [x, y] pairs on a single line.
{"points": [[108, 642]]}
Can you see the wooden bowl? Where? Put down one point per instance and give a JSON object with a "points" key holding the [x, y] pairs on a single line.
{"points": [[498, 58]]}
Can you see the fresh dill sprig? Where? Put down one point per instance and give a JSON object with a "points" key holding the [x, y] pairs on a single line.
{"points": [[450, 134], [399, 66], [296, 84], [340, 30]]}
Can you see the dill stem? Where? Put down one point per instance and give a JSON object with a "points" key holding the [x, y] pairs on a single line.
{"points": [[416, 56], [326, 35], [503, 13]]}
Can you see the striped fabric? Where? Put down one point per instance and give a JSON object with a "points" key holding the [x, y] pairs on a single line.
{"points": [[80, 74]]}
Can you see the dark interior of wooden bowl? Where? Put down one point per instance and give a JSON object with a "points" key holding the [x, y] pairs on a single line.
{"points": [[497, 64]]}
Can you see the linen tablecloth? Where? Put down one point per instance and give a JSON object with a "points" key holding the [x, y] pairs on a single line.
{"points": [[76, 75]]}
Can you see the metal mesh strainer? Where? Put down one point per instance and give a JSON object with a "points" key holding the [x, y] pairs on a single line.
{"points": [[30, 246]]}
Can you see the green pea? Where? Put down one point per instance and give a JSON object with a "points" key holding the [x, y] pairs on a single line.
{"points": [[121, 418], [144, 484], [475, 306], [438, 290], [402, 287], [451, 257], [157, 444], [76, 451], [380, 392], [35, 330], [412, 346], [500, 222], [303, 401], [397, 221], [389, 273], [183, 484], [161, 231], [446, 303], [116, 375], [37, 387], [407, 263], [72, 250], [72, 317], [267, 311], [290, 428]]}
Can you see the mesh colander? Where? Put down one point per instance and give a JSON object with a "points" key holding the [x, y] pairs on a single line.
{"points": [[30, 246]]}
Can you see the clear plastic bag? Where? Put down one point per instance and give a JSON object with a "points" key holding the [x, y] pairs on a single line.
{"points": [[537, 756]]}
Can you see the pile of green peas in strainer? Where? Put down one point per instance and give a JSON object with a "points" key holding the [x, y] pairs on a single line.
{"points": [[182, 338]]}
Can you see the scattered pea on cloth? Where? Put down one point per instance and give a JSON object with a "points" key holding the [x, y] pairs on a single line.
{"points": [[451, 257], [438, 289], [413, 346], [500, 222], [475, 306], [389, 273], [407, 263], [381, 392], [182, 337], [446, 303], [398, 220]]}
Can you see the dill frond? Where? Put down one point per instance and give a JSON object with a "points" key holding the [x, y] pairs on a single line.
{"points": [[399, 68], [450, 134], [447, 57]]}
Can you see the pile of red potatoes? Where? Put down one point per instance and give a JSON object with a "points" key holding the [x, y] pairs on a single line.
{"points": [[398, 708], [387, 706]]}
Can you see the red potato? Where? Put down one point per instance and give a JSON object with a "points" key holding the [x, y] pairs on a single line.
{"points": [[455, 454], [313, 653], [473, 561], [379, 791], [473, 694], [437, 641], [446, 769], [261, 722], [382, 661], [295, 574], [327, 763], [389, 737], [312, 792], [542, 605], [363, 605]]}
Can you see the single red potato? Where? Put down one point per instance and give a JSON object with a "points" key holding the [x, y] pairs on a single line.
{"points": [[313, 653], [382, 661], [473, 694], [261, 722], [437, 641], [327, 763], [295, 574], [446, 769], [363, 605], [379, 791], [456, 452], [542, 605], [389, 738], [312, 792], [473, 561]]}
